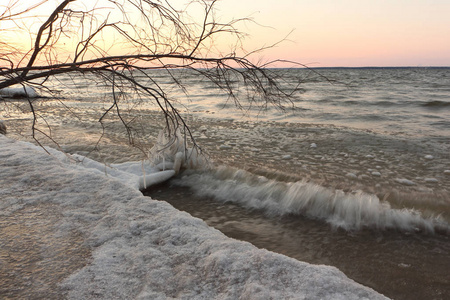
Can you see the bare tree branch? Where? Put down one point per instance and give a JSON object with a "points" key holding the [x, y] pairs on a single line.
{"points": [[79, 38]]}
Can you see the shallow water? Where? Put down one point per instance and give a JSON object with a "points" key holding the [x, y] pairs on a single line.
{"points": [[342, 158], [398, 265]]}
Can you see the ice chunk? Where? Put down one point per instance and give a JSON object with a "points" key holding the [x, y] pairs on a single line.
{"points": [[225, 147], [155, 178], [431, 180], [351, 175], [24, 91], [179, 159], [405, 181], [165, 165]]}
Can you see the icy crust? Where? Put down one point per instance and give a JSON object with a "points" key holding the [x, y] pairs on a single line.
{"points": [[137, 175], [146, 249]]}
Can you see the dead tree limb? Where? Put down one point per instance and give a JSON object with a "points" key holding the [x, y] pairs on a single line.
{"points": [[150, 35]]}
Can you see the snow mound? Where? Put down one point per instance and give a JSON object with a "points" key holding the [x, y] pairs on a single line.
{"points": [[20, 92], [146, 249]]}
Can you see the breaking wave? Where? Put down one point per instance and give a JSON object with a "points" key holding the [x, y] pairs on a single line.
{"points": [[349, 211]]}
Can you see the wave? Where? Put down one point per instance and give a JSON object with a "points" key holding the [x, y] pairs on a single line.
{"points": [[349, 211], [436, 104]]}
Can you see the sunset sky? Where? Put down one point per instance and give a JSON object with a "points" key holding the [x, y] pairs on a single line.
{"points": [[350, 32], [328, 33]]}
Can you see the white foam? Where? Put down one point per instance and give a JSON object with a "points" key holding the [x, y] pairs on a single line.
{"points": [[350, 211]]}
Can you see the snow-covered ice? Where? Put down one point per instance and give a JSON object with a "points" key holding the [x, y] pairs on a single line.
{"points": [[146, 249], [24, 91]]}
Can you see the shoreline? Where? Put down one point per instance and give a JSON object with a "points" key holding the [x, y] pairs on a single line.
{"points": [[138, 244], [405, 171]]}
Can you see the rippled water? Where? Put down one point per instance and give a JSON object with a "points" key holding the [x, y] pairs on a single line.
{"points": [[406, 101], [409, 101], [381, 132]]}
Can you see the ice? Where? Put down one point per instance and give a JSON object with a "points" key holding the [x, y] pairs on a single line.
{"points": [[155, 178], [225, 147], [431, 180], [24, 91], [146, 249], [165, 165], [351, 176], [405, 181], [139, 175]]}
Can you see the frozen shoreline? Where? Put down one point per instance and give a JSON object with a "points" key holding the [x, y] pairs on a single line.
{"points": [[146, 249]]}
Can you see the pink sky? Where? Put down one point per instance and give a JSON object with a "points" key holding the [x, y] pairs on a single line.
{"points": [[349, 32]]}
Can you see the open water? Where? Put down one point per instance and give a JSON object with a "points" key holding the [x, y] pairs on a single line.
{"points": [[355, 175]]}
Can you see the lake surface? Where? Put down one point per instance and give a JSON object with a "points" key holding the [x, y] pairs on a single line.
{"points": [[355, 174]]}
